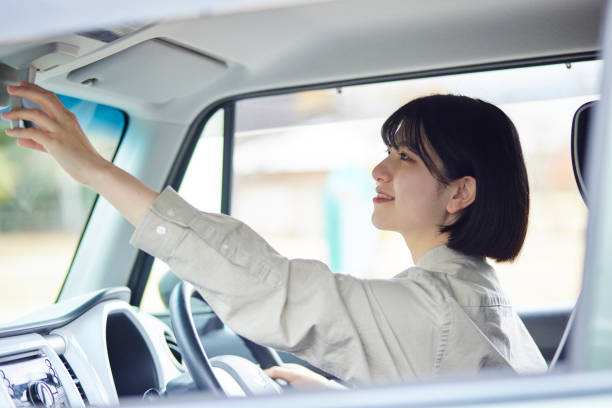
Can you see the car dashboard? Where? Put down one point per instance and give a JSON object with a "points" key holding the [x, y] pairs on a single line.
{"points": [[89, 350]]}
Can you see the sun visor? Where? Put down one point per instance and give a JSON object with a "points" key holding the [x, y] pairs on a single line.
{"points": [[166, 70]]}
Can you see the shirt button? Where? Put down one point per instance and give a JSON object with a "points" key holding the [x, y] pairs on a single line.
{"points": [[161, 230], [170, 212]]}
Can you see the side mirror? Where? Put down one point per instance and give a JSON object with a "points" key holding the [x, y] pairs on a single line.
{"points": [[580, 137]]}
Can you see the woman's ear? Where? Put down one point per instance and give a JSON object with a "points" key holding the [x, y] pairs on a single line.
{"points": [[463, 194]]}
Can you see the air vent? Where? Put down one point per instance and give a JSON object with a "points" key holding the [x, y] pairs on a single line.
{"points": [[173, 346], [76, 381]]}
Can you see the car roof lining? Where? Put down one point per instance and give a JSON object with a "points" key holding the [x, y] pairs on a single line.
{"points": [[319, 43]]}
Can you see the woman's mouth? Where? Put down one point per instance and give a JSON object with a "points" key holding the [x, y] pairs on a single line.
{"points": [[382, 198]]}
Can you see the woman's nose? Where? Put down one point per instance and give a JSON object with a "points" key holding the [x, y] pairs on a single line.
{"points": [[381, 172]]}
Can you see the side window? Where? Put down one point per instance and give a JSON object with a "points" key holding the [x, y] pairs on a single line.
{"points": [[302, 165], [201, 187]]}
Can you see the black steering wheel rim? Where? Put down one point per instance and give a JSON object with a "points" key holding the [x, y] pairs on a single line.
{"points": [[193, 353]]}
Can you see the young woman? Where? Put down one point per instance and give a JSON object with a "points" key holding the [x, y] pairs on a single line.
{"points": [[454, 185]]}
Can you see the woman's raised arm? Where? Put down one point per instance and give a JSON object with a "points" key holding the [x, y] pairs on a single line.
{"points": [[61, 136]]}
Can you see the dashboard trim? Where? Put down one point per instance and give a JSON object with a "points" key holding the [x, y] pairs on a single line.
{"points": [[60, 314]]}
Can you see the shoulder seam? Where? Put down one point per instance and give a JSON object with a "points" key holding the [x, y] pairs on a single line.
{"points": [[444, 336]]}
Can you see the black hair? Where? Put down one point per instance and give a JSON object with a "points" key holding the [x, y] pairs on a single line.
{"points": [[473, 138]]}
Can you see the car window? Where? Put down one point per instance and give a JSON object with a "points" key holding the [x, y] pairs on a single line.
{"points": [[201, 187], [302, 174], [302, 165], [43, 211]]}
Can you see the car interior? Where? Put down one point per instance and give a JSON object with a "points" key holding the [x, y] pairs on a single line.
{"points": [[263, 112]]}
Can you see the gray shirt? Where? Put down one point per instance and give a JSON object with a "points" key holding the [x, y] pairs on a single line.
{"points": [[447, 314]]}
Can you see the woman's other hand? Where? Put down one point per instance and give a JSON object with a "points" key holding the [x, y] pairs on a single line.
{"points": [[60, 134], [301, 377]]}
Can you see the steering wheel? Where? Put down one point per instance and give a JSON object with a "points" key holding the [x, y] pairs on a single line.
{"points": [[195, 357]]}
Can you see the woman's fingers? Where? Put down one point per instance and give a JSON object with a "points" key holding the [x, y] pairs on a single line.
{"points": [[282, 373], [47, 100], [300, 377], [25, 137], [34, 134], [33, 115], [60, 134], [30, 144]]}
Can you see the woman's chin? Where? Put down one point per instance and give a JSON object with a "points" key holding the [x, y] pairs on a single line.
{"points": [[379, 223]]}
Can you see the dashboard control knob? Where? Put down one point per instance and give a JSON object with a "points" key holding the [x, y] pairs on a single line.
{"points": [[39, 393]]}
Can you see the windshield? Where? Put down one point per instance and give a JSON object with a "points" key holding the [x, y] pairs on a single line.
{"points": [[43, 212]]}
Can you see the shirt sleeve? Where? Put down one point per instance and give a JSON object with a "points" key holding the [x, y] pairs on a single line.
{"points": [[294, 305]]}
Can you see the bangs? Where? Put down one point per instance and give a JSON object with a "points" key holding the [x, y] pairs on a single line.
{"points": [[401, 130]]}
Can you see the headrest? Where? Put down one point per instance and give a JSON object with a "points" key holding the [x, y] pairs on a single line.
{"points": [[580, 137]]}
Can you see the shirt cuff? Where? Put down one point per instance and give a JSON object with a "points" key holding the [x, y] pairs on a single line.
{"points": [[164, 225]]}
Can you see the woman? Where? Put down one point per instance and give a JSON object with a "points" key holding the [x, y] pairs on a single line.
{"points": [[453, 185]]}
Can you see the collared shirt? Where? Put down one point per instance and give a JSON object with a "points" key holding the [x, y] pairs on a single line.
{"points": [[447, 314]]}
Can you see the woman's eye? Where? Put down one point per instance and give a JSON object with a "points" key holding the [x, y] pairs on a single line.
{"points": [[402, 155]]}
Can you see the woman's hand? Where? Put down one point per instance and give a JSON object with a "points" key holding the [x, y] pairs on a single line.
{"points": [[60, 134], [300, 377]]}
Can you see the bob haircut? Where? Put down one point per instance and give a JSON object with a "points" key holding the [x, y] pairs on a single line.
{"points": [[457, 136]]}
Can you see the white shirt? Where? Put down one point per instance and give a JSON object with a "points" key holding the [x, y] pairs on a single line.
{"points": [[447, 314]]}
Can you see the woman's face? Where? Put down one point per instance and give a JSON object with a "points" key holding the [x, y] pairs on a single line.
{"points": [[409, 199]]}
